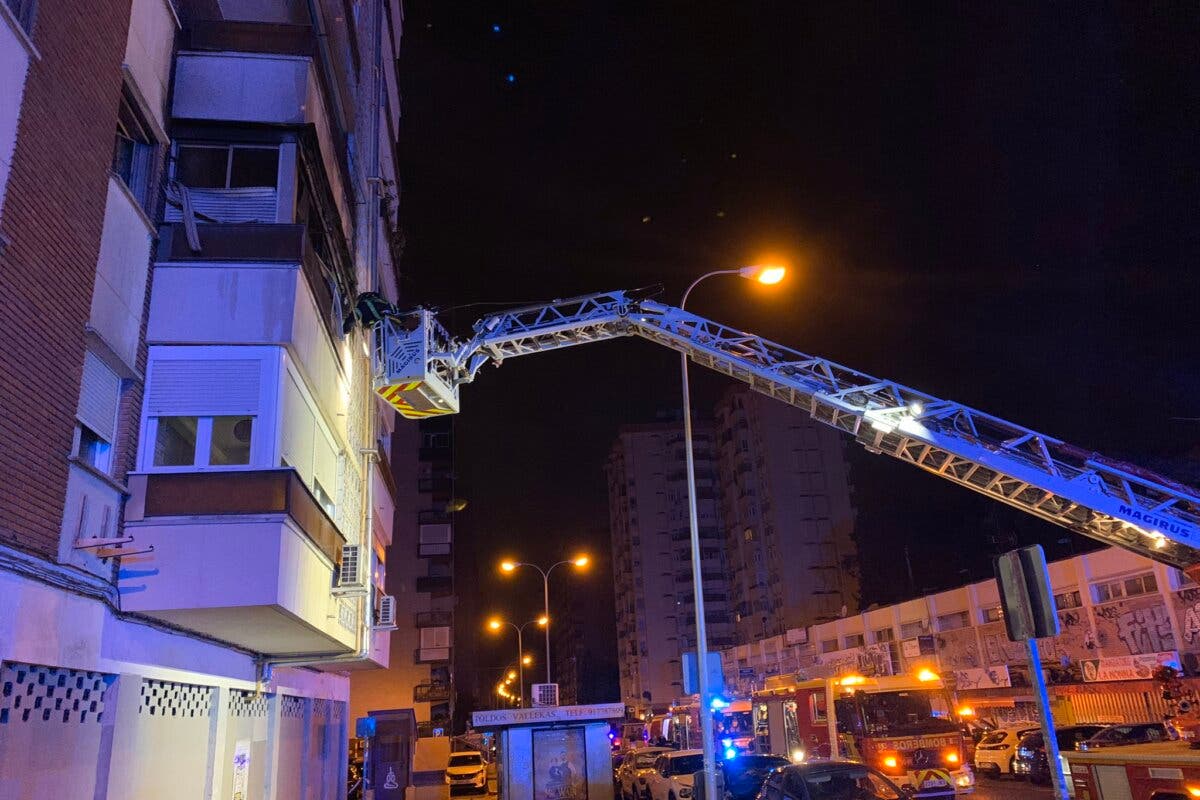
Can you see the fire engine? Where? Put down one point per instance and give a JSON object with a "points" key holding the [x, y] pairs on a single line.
{"points": [[419, 368], [899, 724], [732, 726]]}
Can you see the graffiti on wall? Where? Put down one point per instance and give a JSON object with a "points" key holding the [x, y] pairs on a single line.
{"points": [[1187, 609], [997, 647], [1134, 627], [958, 649]]}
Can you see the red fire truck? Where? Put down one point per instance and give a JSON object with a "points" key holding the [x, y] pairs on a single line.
{"points": [[898, 724], [732, 724], [1155, 771]]}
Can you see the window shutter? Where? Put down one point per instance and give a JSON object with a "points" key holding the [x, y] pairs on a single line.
{"points": [[99, 396], [204, 388], [252, 204], [435, 637], [325, 464], [299, 428]]}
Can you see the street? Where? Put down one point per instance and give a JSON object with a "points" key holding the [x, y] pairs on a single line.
{"points": [[1002, 789]]}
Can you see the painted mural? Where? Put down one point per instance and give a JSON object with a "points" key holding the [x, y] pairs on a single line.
{"points": [[1187, 611], [958, 649], [1133, 627]]}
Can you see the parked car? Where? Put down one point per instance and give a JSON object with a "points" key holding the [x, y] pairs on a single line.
{"points": [[466, 771], [829, 780], [997, 751], [1031, 752], [671, 778], [744, 775], [635, 766], [1117, 735]]}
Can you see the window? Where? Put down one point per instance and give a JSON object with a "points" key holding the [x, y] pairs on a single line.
{"points": [[99, 399], [133, 150], [911, 630], [203, 412], [884, 635], [202, 441], [23, 10], [949, 622], [994, 614], [854, 640], [1129, 587], [829, 645], [227, 166], [1068, 600]]}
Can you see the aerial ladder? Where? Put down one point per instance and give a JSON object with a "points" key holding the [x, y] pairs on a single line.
{"points": [[419, 367]]}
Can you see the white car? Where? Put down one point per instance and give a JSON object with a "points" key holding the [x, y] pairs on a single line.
{"points": [[467, 771], [997, 751], [636, 765], [672, 776]]}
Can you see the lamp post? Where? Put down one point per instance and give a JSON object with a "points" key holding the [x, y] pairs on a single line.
{"points": [[763, 274], [579, 562], [495, 624]]}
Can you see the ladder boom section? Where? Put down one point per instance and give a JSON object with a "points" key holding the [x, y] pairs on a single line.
{"points": [[1116, 503]]}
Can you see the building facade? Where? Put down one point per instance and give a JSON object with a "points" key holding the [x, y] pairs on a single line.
{"points": [[419, 674], [651, 552], [785, 502], [191, 196], [1120, 615]]}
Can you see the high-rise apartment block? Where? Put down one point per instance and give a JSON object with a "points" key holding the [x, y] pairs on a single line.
{"points": [[776, 529], [652, 568], [192, 195], [787, 516]]}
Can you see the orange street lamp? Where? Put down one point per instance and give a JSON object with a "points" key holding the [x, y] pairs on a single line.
{"points": [[766, 274], [495, 624], [580, 561]]}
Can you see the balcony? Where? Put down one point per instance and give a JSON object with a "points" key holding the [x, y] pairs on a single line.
{"points": [[434, 619], [431, 693], [245, 556]]}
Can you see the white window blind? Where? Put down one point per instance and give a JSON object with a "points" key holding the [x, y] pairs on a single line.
{"points": [[99, 397], [435, 534], [208, 387], [299, 428], [325, 463], [435, 637]]}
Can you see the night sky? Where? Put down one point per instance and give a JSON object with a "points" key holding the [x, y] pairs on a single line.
{"points": [[995, 203]]}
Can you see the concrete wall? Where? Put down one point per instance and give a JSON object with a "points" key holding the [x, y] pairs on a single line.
{"points": [[148, 52], [119, 295], [15, 50]]}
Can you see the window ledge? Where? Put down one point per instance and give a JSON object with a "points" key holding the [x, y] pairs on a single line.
{"points": [[99, 475], [22, 35]]}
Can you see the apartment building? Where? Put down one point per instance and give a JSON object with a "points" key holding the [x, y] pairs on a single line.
{"points": [[419, 674], [651, 551], [787, 516], [192, 194], [1121, 615]]}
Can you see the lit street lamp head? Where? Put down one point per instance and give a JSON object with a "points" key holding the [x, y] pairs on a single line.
{"points": [[527, 660], [507, 566], [494, 624], [581, 561], [543, 620], [512, 675], [764, 273]]}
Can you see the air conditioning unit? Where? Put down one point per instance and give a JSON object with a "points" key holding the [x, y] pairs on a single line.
{"points": [[545, 694], [385, 617], [352, 578]]}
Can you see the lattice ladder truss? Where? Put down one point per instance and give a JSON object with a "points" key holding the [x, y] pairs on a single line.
{"points": [[1119, 504]]}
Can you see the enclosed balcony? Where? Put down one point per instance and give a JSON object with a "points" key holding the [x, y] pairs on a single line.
{"points": [[248, 557]]}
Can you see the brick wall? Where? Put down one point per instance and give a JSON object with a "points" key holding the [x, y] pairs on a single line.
{"points": [[52, 218]]}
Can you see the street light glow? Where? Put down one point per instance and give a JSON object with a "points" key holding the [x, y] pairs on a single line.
{"points": [[543, 620], [512, 675], [768, 274], [507, 566], [581, 561], [527, 660], [495, 624]]}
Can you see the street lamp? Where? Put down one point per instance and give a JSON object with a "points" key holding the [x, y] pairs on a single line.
{"points": [[495, 624], [579, 562], [766, 274]]}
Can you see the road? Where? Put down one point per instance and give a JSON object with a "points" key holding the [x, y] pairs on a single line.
{"points": [[1004, 789]]}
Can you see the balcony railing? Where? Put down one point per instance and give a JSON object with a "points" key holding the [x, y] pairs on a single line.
{"points": [[434, 619], [431, 693], [241, 492]]}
